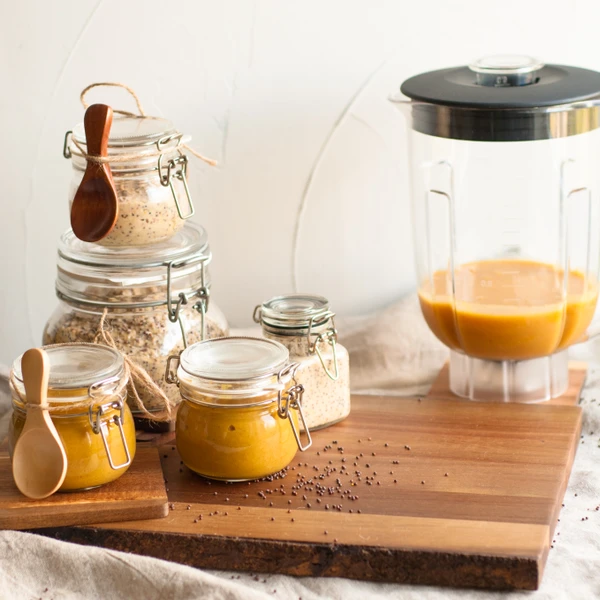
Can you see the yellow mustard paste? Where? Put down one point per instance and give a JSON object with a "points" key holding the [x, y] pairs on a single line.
{"points": [[87, 462], [233, 442]]}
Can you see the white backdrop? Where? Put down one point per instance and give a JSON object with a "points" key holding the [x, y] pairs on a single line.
{"points": [[290, 98]]}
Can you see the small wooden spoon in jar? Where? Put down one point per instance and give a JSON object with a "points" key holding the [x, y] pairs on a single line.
{"points": [[39, 462], [95, 208]]}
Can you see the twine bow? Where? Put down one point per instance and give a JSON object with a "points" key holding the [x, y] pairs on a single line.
{"points": [[120, 158]]}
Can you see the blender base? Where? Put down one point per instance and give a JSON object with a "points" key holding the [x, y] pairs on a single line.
{"points": [[524, 381]]}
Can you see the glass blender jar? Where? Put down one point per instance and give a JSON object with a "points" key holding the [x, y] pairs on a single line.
{"points": [[506, 220]]}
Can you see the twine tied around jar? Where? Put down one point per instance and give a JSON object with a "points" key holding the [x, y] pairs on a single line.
{"points": [[160, 150], [139, 378]]}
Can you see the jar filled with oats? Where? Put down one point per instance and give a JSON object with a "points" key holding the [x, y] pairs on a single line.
{"points": [[148, 160], [148, 302], [304, 324]]}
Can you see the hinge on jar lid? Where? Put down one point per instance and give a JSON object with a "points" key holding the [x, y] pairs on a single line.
{"points": [[66, 149], [328, 316], [201, 306], [174, 312], [98, 385], [174, 315], [176, 168], [171, 373], [97, 423], [292, 398], [331, 337]]}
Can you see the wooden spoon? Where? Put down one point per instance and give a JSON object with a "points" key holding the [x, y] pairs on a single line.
{"points": [[95, 208], [39, 463]]}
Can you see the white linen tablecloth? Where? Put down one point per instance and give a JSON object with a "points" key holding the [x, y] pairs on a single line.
{"points": [[391, 352]]}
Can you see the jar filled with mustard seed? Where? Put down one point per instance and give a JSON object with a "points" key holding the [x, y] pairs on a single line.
{"points": [[241, 410], [148, 158], [86, 397], [147, 301], [304, 324]]}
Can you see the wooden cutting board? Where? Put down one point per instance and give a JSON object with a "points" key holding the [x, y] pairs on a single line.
{"points": [[450, 492], [139, 493]]}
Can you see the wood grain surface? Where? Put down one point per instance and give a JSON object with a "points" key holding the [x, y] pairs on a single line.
{"points": [[448, 492], [138, 494]]}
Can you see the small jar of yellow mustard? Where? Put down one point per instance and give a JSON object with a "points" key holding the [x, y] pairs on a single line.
{"points": [[87, 404], [241, 408]]}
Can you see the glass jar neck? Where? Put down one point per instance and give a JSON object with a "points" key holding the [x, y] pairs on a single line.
{"points": [[61, 411], [304, 329], [249, 392], [69, 401], [299, 340], [142, 288], [297, 343], [126, 157], [144, 166]]}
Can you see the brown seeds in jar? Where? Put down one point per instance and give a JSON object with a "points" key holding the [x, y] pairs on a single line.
{"points": [[147, 212]]}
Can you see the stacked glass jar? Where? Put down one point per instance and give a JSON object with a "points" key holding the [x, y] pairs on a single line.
{"points": [[145, 287]]}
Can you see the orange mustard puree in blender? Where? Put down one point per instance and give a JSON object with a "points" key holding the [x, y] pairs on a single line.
{"points": [[508, 309]]}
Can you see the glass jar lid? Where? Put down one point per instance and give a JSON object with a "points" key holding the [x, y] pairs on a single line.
{"points": [[234, 359], [188, 243], [141, 275], [129, 131], [294, 312], [76, 366], [136, 145]]}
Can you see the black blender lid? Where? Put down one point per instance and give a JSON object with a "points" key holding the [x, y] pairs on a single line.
{"points": [[504, 82]]}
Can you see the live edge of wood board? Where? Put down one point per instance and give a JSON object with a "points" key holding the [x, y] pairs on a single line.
{"points": [[451, 493]]}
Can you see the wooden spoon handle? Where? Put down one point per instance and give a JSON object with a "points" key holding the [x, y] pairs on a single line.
{"points": [[35, 368], [97, 122]]}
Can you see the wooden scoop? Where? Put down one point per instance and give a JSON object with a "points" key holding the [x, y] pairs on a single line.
{"points": [[39, 463], [95, 208]]}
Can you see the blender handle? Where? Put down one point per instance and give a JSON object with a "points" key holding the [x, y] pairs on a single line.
{"points": [[568, 200]]}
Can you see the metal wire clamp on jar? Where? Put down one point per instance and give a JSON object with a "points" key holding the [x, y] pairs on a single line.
{"points": [[146, 301], [241, 405], [148, 160], [305, 325], [86, 394]]}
